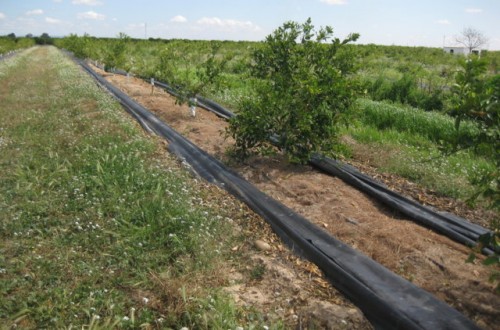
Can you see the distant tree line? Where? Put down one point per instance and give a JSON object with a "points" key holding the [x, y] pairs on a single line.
{"points": [[43, 39], [10, 43]]}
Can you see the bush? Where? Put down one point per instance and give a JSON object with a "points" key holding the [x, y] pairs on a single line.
{"points": [[115, 57], [192, 79], [305, 89], [476, 98], [44, 39], [437, 127]]}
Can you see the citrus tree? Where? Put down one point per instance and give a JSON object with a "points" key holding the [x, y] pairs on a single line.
{"points": [[304, 88], [190, 79], [478, 98], [115, 56], [80, 46]]}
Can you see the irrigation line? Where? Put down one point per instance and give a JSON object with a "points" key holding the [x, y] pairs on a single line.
{"points": [[452, 226], [387, 300]]}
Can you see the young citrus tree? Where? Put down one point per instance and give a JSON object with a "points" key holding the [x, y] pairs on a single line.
{"points": [[477, 98], [115, 57], [304, 89], [81, 47], [189, 79]]}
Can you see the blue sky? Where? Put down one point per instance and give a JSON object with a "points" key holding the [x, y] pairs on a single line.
{"points": [[398, 22]]}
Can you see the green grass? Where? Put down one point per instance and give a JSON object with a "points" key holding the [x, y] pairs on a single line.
{"points": [[407, 141], [97, 228], [435, 126]]}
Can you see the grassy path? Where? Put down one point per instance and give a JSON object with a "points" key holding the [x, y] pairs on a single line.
{"points": [[97, 228]]}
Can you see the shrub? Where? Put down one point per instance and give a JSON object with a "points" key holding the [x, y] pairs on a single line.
{"points": [[116, 54], [192, 79], [406, 91], [476, 98], [304, 91]]}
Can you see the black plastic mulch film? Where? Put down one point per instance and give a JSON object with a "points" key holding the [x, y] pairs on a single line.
{"points": [[387, 300], [8, 55]]}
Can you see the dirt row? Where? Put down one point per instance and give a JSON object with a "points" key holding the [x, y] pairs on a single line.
{"points": [[423, 257]]}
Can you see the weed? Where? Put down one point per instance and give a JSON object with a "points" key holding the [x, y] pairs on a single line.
{"points": [[257, 272], [434, 126], [411, 140]]}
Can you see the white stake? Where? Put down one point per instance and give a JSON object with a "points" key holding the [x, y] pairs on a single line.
{"points": [[193, 102]]}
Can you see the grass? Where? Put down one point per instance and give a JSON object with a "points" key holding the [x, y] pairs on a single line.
{"points": [[98, 229], [434, 126], [407, 142]]}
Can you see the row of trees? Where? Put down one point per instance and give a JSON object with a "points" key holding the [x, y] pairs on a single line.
{"points": [[478, 99], [8, 44], [43, 39], [418, 76], [296, 71], [306, 83]]}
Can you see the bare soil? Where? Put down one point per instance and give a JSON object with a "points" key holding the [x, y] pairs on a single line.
{"points": [[429, 260]]}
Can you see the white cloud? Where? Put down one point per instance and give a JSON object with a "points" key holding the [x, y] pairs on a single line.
{"points": [[2, 15], [87, 2], [51, 20], [229, 24], [91, 15], [443, 22], [178, 19], [473, 10], [34, 12], [334, 2], [57, 0]]}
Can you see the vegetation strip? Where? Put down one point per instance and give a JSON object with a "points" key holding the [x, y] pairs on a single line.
{"points": [[97, 229], [387, 299]]}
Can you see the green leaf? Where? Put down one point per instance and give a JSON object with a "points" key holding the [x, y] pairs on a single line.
{"points": [[471, 258], [492, 260]]}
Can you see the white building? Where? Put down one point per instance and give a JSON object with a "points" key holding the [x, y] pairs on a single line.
{"points": [[461, 50]]}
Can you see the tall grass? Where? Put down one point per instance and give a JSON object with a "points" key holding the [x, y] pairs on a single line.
{"points": [[408, 142], [435, 126]]}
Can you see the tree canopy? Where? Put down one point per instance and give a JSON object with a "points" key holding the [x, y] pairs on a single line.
{"points": [[471, 38], [303, 89]]}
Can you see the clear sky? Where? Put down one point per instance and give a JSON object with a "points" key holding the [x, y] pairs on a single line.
{"points": [[388, 22]]}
